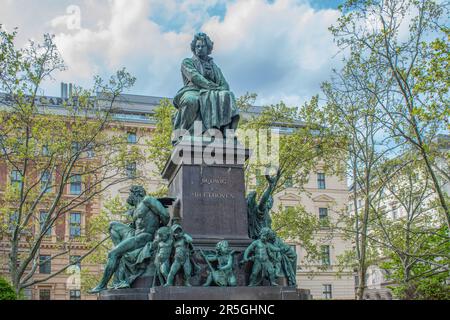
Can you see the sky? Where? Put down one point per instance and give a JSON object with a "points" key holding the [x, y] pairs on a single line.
{"points": [[279, 49]]}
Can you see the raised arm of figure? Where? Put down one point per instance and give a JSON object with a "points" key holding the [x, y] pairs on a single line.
{"points": [[157, 207], [248, 251]]}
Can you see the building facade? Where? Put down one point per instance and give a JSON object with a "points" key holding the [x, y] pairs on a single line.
{"points": [[325, 197]]}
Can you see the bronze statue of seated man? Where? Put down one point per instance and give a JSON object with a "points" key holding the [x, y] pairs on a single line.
{"points": [[206, 96]]}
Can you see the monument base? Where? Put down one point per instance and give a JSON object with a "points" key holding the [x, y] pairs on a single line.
{"points": [[125, 294], [207, 293]]}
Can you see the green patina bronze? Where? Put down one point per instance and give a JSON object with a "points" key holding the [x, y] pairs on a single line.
{"points": [[163, 245], [223, 275], [206, 95], [258, 214], [262, 253], [272, 258], [285, 260], [183, 254], [132, 243]]}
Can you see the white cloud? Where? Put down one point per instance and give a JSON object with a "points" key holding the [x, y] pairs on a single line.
{"points": [[280, 51], [275, 50], [72, 20]]}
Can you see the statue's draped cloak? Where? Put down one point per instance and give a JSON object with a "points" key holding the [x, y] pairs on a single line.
{"points": [[205, 96], [139, 262], [136, 263], [288, 261], [257, 219]]}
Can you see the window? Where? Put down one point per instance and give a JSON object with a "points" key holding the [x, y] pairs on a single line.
{"points": [[46, 181], [323, 217], [75, 225], [90, 151], [321, 181], [45, 150], [131, 170], [27, 294], [76, 147], [293, 247], [16, 179], [44, 294], [75, 260], [131, 137], [75, 295], [325, 251], [327, 293], [350, 208], [75, 184], [42, 218], [288, 183], [13, 221], [394, 213], [45, 264]]}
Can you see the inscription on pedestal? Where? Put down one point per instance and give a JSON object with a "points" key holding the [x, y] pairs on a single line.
{"points": [[212, 195], [221, 180], [212, 201]]}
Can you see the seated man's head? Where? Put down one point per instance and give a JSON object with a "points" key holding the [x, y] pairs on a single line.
{"points": [[137, 193], [201, 45]]}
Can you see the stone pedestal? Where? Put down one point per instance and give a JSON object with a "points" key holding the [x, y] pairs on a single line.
{"points": [[208, 293], [208, 180], [228, 293], [139, 291]]}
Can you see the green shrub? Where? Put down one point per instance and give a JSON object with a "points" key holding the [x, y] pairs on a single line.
{"points": [[6, 290]]}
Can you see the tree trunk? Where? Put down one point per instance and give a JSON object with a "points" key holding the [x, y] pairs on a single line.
{"points": [[13, 256], [363, 247], [437, 187]]}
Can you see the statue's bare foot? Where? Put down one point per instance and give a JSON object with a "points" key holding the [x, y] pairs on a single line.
{"points": [[121, 285], [97, 289]]}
